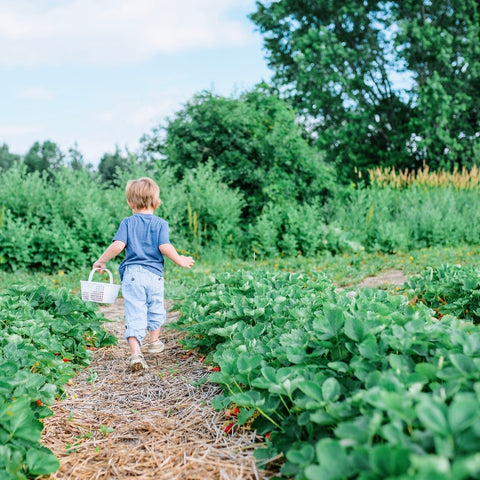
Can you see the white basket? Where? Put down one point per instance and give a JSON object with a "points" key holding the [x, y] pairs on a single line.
{"points": [[98, 291]]}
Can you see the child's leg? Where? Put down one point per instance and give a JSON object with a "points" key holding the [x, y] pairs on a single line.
{"points": [[156, 314], [134, 345], [134, 295], [153, 335]]}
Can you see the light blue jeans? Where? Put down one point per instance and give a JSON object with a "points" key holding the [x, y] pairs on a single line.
{"points": [[142, 292]]}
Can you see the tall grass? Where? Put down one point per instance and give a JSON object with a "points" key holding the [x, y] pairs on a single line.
{"points": [[459, 179], [410, 210]]}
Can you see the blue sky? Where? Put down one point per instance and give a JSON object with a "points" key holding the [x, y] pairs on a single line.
{"points": [[101, 73]]}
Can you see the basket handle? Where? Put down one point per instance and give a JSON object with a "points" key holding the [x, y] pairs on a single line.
{"points": [[96, 270]]}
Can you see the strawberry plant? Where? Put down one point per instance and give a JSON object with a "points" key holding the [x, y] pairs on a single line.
{"points": [[449, 289], [367, 387], [43, 338]]}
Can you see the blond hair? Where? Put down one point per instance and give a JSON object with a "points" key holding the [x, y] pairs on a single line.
{"points": [[143, 193]]}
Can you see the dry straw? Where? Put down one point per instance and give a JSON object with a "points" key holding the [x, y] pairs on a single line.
{"points": [[461, 180], [156, 425]]}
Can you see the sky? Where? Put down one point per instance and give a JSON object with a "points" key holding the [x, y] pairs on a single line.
{"points": [[99, 74]]}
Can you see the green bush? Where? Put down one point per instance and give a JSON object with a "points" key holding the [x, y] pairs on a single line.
{"points": [[59, 222], [254, 140], [388, 219], [448, 289], [291, 229]]}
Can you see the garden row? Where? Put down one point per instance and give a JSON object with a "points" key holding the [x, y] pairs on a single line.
{"points": [[369, 385], [45, 337]]}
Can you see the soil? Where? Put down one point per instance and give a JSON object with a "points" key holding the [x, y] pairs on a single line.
{"points": [[390, 277]]}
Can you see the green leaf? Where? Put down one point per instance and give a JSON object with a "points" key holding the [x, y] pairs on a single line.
{"points": [[246, 363], [302, 456], [390, 461], [245, 415], [467, 466], [333, 462], [330, 324], [41, 461], [354, 329], [399, 404], [368, 348], [340, 367], [251, 398], [18, 419], [330, 389], [312, 390], [226, 331], [356, 431], [427, 370], [463, 363], [463, 412], [433, 416]]}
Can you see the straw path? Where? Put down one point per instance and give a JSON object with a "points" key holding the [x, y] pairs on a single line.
{"points": [[115, 424]]}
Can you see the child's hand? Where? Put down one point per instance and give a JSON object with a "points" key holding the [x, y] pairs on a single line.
{"points": [[186, 262], [100, 266]]}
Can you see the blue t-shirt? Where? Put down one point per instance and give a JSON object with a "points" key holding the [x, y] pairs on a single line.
{"points": [[142, 234]]}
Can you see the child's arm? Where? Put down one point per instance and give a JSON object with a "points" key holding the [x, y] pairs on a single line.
{"points": [[168, 250], [112, 251]]}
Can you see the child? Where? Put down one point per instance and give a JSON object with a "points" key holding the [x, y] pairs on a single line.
{"points": [[145, 237]]}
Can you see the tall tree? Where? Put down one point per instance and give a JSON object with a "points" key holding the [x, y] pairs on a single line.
{"points": [[76, 159], [255, 141], [112, 163], [374, 78], [7, 159], [43, 157], [440, 43]]}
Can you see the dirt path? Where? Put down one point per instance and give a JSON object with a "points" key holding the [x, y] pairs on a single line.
{"points": [[390, 277], [114, 424]]}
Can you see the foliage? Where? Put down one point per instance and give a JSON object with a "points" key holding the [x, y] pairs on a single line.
{"points": [[449, 289], [7, 159], [440, 44], [254, 140], [43, 157], [111, 164], [388, 219], [291, 229], [48, 225], [369, 386], [64, 219], [340, 65], [45, 337]]}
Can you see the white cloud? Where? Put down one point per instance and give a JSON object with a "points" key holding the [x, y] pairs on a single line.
{"points": [[121, 126], [113, 32], [140, 116], [35, 93], [18, 130]]}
